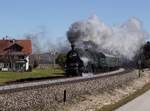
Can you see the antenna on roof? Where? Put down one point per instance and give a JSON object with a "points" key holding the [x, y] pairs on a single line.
{"points": [[6, 37]]}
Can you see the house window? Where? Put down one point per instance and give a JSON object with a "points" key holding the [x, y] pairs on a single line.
{"points": [[1, 65], [6, 65], [21, 57]]}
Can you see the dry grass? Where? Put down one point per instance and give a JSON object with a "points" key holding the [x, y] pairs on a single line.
{"points": [[116, 105]]}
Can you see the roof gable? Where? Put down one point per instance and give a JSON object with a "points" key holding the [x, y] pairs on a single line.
{"points": [[14, 47], [25, 46]]}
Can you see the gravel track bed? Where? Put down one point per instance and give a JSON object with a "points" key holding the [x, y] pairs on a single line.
{"points": [[95, 101]]}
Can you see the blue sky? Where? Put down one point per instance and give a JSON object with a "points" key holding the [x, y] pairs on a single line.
{"points": [[18, 17]]}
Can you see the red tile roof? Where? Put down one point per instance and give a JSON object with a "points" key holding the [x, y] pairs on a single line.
{"points": [[26, 44]]}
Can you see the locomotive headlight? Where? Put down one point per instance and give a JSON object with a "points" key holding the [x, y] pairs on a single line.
{"points": [[77, 64]]}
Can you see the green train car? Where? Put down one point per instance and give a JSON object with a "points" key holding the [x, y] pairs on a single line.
{"points": [[99, 61], [109, 63]]}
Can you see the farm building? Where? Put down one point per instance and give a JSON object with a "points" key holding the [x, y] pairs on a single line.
{"points": [[14, 54]]}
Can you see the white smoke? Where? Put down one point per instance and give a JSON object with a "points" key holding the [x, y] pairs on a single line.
{"points": [[85, 60], [123, 40]]}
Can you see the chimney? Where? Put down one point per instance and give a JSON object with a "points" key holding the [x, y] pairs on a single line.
{"points": [[72, 46], [13, 41]]}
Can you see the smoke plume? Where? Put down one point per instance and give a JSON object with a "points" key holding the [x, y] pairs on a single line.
{"points": [[123, 40]]}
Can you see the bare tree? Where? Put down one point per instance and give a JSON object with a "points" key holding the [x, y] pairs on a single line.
{"points": [[36, 45], [53, 54]]}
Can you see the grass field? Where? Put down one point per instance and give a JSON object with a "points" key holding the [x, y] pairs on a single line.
{"points": [[36, 73]]}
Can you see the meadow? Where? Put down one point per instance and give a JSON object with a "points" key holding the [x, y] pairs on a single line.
{"points": [[6, 77]]}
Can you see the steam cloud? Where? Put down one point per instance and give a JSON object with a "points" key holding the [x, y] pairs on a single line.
{"points": [[124, 40]]}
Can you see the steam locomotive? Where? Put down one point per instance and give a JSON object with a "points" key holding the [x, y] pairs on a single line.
{"points": [[144, 56], [79, 61], [74, 65]]}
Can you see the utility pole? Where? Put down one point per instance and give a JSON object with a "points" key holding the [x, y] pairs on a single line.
{"points": [[53, 55], [140, 62], [139, 66]]}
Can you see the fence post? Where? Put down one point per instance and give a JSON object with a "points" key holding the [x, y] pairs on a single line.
{"points": [[64, 96]]}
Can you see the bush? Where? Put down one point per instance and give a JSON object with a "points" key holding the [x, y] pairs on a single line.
{"points": [[30, 68], [60, 60]]}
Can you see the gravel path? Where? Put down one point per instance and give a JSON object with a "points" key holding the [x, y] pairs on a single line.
{"points": [[96, 101], [141, 103]]}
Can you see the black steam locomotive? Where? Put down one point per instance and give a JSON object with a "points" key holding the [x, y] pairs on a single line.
{"points": [[144, 56], [79, 62], [74, 65]]}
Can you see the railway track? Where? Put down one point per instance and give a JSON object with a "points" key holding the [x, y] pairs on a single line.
{"points": [[56, 80]]}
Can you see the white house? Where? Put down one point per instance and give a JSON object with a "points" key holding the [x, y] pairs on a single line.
{"points": [[14, 54]]}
